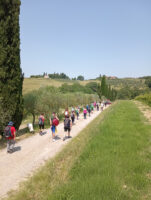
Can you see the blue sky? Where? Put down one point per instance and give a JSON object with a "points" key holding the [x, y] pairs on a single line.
{"points": [[87, 37]]}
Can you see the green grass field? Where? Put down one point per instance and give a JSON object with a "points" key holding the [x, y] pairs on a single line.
{"points": [[110, 160]]}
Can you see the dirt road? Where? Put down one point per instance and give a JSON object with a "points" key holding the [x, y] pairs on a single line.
{"points": [[31, 153]]}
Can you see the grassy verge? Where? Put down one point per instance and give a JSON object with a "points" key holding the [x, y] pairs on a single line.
{"points": [[110, 160]]}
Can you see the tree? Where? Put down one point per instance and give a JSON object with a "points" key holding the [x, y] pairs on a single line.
{"points": [[93, 86], [148, 82], [103, 86], [105, 90], [30, 104], [58, 76], [11, 77], [99, 91], [80, 78]]}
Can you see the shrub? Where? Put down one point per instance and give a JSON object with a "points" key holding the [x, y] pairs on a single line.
{"points": [[146, 98]]}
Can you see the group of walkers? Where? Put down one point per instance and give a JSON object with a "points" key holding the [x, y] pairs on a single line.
{"points": [[69, 121]]}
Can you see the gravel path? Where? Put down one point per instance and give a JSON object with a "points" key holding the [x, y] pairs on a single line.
{"points": [[31, 153]]}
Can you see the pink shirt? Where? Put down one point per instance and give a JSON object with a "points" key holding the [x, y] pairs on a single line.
{"points": [[85, 111]]}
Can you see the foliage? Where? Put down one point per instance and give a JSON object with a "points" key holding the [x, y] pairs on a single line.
{"points": [[146, 98], [105, 90], [11, 77], [99, 77], [36, 76], [148, 82], [131, 83], [80, 78], [145, 77], [50, 99], [58, 76], [129, 93], [76, 87], [93, 86], [52, 76], [30, 104], [104, 86]]}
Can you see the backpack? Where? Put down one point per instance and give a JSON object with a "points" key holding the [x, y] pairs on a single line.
{"points": [[7, 132], [72, 115], [41, 121], [77, 111], [55, 122], [67, 123]]}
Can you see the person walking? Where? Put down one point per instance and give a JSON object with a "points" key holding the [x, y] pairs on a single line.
{"points": [[54, 121], [87, 107], [77, 113], [85, 113], [72, 109], [92, 107], [72, 117], [102, 106], [89, 110], [10, 134], [66, 113], [41, 123], [97, 106], [67, 127]]}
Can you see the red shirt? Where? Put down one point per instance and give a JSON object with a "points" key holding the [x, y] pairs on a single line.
{"points": [[13, 133], [42, 118]]}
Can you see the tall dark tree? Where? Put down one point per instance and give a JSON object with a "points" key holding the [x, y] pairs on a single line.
{"points": [[104, 86], [11, 77], [105, 90]]}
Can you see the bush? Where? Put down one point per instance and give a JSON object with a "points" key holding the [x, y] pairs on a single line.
{"points": [[76, 87], [129, 93], [146, 98]]}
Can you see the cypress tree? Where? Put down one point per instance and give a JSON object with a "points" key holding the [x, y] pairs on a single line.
{"points": [[103, 86], [11, 77], [99, 90], [109, 92]]}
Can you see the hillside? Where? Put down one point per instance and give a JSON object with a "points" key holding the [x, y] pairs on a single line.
{"points": [[35, 83]]}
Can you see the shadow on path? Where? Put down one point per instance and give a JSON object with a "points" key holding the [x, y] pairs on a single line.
{"points": [[17, 149]]}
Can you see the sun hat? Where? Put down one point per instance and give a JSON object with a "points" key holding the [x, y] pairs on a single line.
{"points": [[10, 123]]}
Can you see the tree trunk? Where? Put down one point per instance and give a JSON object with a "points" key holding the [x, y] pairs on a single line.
{"points": [[33, 119]]}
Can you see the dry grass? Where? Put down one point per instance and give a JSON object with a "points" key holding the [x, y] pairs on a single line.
{"points": [[35, 83], [145, 109]]}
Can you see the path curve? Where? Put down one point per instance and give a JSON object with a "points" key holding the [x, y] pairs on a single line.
{"points": [[32, 153]]}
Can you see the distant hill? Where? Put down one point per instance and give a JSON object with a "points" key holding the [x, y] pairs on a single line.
{"points": [[117, 83]]}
